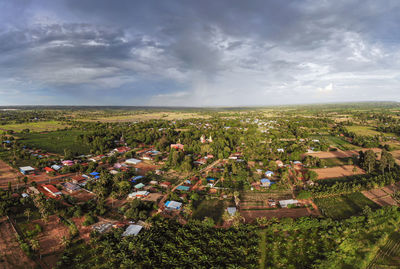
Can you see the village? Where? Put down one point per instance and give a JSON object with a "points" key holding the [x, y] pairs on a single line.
{"points": [[223, 173]]}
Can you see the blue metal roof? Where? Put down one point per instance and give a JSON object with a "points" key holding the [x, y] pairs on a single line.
{"points": [[94, 173], [183, 188]]}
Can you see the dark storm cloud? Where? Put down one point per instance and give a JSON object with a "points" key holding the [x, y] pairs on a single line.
{"points": [[198, 52]]}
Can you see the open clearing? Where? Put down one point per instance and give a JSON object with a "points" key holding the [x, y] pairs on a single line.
{"points": [[339, 153], [11, 255], [338, 171], [149, 116], [41, 126], [50, 239], [362, 130], [344, 206], [7, 174], [56, 142], [383, 196], [252, 215]]}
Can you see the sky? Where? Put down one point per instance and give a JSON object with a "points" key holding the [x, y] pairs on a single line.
{"points": [[198, 53]]}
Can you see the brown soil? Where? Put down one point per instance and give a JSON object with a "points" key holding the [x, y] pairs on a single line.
{"points": [[338, 171], [11, 255], [383, 196], [252, 215], [7, 174], [50, 240]]}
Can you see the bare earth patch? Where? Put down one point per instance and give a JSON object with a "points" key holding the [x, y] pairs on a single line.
{"points": [[7, 174], [50, 240], [338, 171], [252, 215], [11, 255]]}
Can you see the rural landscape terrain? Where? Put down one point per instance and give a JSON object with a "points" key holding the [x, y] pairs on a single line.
{"points": [[310, 186]]}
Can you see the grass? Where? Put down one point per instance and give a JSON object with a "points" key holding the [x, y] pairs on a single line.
{"points": [[344, 206], [262, 247], [41, 126], [209, 208], [338, 142], [332, 162], [363, 130], [55, 142]]}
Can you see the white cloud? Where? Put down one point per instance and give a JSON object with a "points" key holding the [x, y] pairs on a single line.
{"points": [[328, 88]]}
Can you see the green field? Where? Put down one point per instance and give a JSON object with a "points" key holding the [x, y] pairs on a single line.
{"points": [[41, 126], [344, 206], [332, 162], [55, 142], [209, 208], [339, 142], [363, 130]]}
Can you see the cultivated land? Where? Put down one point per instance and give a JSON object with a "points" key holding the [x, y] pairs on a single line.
{"points": [[149, 116], [55, 142], [338, 171], [383, 196], [7, 174], [42, 126], [11, 254], [344, 206]]}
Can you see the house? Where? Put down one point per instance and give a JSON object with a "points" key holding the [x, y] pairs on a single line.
{"points": [[153, 182], [95, 175], [133, 161], [183, 188], [173, 205], [67, 163], [177, 146], [78, 179], [121, 149], [33, 190], [139, 186], [27, 170], [102, 227], [285, 203], [265, 182], [138, 194], [280, 150], [211, 179], [269, 174], [71, 187], [48, 170], [25, 195], [231, 210], [132, 229], [165, 184], [279, 163], [52, 190], [56, 167], [135, 178]]}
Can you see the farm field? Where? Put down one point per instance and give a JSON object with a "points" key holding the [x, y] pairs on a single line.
{"points": [[7, 174], [252, 215], [148, 116], [332, 162], [11, 254], [340, 143], [363, 130], [41, 126], [55, 142], [339, 153], [383, 196], [338, 171], [344, 206]]}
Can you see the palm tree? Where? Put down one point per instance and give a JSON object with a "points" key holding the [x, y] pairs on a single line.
{"points": [[35, 244], [27, 213]]}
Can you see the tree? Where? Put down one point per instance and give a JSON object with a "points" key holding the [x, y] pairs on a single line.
{"points": [[369, 160], [27, 213]]}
